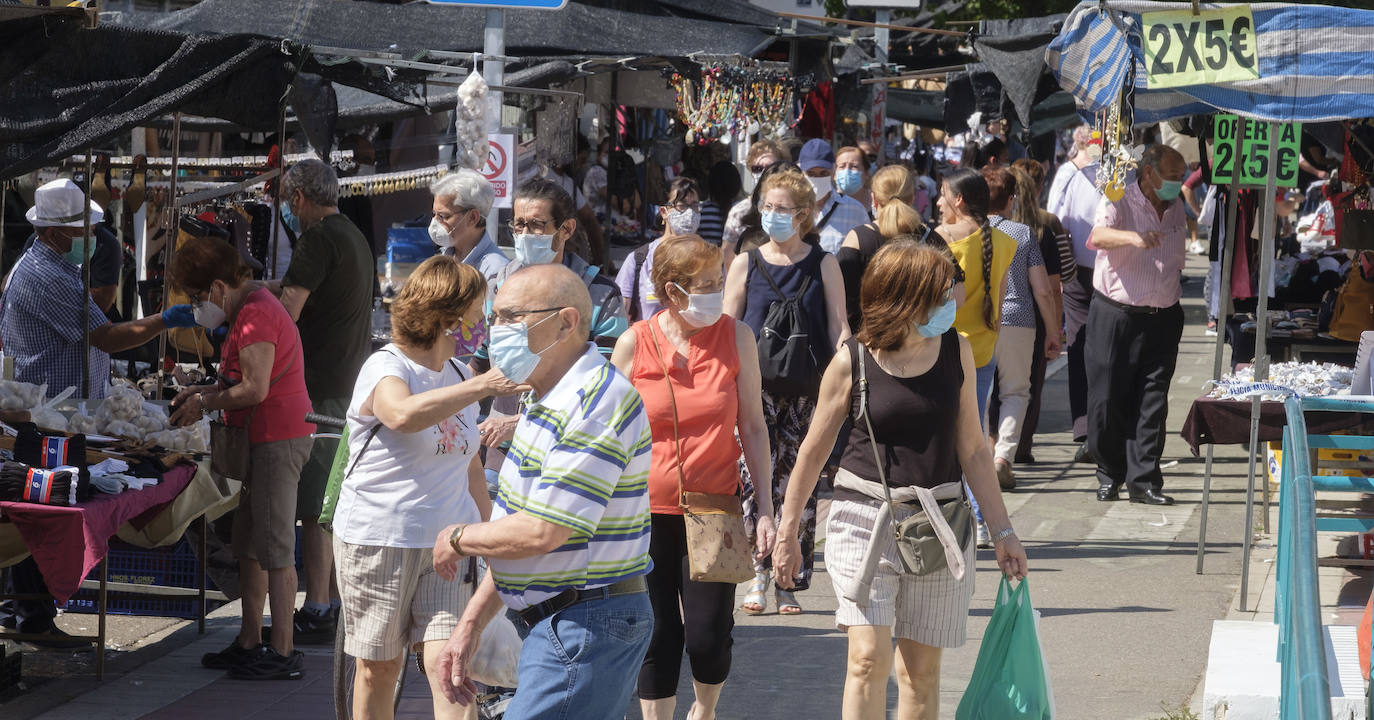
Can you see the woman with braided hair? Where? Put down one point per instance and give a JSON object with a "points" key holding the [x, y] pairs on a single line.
{"points": [[984, 253]]}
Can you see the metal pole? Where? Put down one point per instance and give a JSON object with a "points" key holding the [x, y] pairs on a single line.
{"points": [[86, 280], [171, 245], [494, 73], [1223, 312], [277, 225], [1261, 353], [877, 133]]}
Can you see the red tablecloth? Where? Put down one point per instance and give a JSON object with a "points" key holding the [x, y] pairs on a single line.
{"points": [[68, 542]]}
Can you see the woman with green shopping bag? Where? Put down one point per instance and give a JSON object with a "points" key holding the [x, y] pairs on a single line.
{"points": [[907, 383]]}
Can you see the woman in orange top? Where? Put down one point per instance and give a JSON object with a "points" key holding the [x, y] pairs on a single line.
{"points": [[706, 364]]}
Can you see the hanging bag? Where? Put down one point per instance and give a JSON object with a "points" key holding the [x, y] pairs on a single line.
{"points": [[1010, 677], [937, 536], [717, 544], [229, 445], [1354, 309]]}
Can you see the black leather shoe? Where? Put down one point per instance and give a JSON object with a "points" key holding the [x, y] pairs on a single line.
{"points": [[1151, 497], [1084, 455], [1107, 494]]}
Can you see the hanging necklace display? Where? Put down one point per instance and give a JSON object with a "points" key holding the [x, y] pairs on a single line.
{"points": [[731, 101], [1119, 155]]}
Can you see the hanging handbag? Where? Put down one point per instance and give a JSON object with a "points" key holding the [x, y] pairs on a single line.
{"points": [[1354, 309], [229, 444], [717, 544], [941, 528]]}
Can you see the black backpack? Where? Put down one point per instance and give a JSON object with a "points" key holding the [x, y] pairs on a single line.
{"points": [[787, 364]]}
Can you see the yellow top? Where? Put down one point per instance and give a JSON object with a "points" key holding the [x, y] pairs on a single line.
{"points": [[969, 321]]}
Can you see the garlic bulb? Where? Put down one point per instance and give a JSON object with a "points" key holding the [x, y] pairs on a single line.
{"points": [[470, 122]]}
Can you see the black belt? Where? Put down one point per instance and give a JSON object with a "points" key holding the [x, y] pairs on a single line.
{"points": [[1133, 309], [534, 613]]}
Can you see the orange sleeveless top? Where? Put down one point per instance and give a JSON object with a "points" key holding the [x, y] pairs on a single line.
{"points": [[703, 385]]}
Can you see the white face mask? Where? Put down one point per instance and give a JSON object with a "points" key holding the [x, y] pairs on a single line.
{"points": [[703, 309], [531, 249], [439, 235], [208, 315], [821, 185], [684, 222]]}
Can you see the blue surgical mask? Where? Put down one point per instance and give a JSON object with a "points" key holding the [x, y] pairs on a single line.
{"points": [[1169, 190], [509, 348], [531, 249], [941, 319], [778, 226], [77, 254], [849, 181], [290, 218]]}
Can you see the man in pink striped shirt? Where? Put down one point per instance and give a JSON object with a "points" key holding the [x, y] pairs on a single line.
{"points": [[1134, 327]]}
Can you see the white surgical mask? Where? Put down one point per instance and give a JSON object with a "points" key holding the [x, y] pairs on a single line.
{"points": [[703, 309], [684, 222], [531, 249], [439, 235], [208, 315], [821, 185]]}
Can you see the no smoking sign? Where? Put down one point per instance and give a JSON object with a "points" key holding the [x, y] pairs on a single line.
{"points": [[499, 169]]}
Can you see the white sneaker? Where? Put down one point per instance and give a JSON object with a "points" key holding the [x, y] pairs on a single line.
{"points": [[1197, 248], [984, 537]]}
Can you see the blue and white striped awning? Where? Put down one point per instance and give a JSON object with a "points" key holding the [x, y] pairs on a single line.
{"points": [[1316, 64]]}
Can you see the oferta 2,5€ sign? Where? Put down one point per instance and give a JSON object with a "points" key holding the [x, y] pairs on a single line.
{"points": [[1213, 46]]}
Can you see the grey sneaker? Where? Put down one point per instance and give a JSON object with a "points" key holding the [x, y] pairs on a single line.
{"points": [[984, 538]]}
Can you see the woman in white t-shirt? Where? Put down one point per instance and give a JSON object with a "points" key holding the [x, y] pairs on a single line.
{"points": [[413, 468]]}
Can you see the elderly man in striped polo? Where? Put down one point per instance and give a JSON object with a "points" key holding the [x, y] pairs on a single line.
{"points": [[568, 542]]}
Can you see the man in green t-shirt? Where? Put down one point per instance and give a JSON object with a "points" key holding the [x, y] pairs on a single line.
{"points": [[328, 291]]}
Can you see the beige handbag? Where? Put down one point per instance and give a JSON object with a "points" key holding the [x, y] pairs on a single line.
{"points": [[717, 545]]}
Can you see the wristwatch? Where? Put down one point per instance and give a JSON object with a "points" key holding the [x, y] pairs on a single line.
{"points": [[999, 537], [454, 538]]}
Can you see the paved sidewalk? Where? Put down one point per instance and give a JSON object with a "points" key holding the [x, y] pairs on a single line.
{"points": [[1126, 620]]}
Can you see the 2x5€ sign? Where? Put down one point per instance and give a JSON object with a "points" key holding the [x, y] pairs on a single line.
{"points": [[1240, 151], [1210, 47]]}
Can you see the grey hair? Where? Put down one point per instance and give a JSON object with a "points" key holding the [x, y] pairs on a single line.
{"points": [[1154, 155], [315, 179], [467, 188]]}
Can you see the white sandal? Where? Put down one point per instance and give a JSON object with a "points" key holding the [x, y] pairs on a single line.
{"points": [[756, 595]]}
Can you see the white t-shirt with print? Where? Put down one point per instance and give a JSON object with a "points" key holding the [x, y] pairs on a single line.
{"points": [[406, 487]]}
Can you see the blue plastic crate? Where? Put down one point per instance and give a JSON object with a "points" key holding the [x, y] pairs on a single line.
{"points": [[174, 565], [409, 245]]}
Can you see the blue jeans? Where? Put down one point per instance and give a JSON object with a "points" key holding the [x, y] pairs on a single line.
{"points": [[985, 375], [582, 663]]}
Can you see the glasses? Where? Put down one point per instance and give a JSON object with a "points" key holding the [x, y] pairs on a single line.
{"points": [[532, 225], [756, 169], [444, 217], [779, 209], [509, 317]]}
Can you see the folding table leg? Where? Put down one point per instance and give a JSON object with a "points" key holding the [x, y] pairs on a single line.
{"points": [[100, 633], [200, 572]]}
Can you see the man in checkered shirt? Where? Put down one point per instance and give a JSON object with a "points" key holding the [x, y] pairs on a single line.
{"points": [[40, 327], [40, 322]]}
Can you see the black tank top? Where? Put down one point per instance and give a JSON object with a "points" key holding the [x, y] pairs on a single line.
{"points": [[914, 418]]}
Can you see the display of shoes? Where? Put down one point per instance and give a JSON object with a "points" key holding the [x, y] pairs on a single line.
{"points": [[265, 663]]}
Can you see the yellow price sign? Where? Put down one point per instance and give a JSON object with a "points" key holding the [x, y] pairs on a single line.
{"points": [[1210, 47]]}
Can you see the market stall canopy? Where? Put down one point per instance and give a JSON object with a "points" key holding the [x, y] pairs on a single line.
{"points": [[1315, 64], [1014, 51], [643, 28]]}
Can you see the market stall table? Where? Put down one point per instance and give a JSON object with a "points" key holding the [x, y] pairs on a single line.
{"points": [[68, 542]]}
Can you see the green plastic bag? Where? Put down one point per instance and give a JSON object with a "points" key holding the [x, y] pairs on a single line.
{"points": [[336, 476], [1010, 680]]}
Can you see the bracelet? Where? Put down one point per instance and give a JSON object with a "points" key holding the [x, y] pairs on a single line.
{"points": [[1003, 535]]}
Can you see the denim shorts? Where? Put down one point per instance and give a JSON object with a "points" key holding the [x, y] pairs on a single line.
{"points": [[583, 661]]}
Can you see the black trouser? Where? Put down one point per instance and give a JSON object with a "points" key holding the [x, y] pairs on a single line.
{"points": [[1078, 296], [1130, 357], [31, 615], [702, 625]]}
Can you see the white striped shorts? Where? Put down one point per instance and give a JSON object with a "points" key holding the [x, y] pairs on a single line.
{"points": [[392, 599], [930, 609]]}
